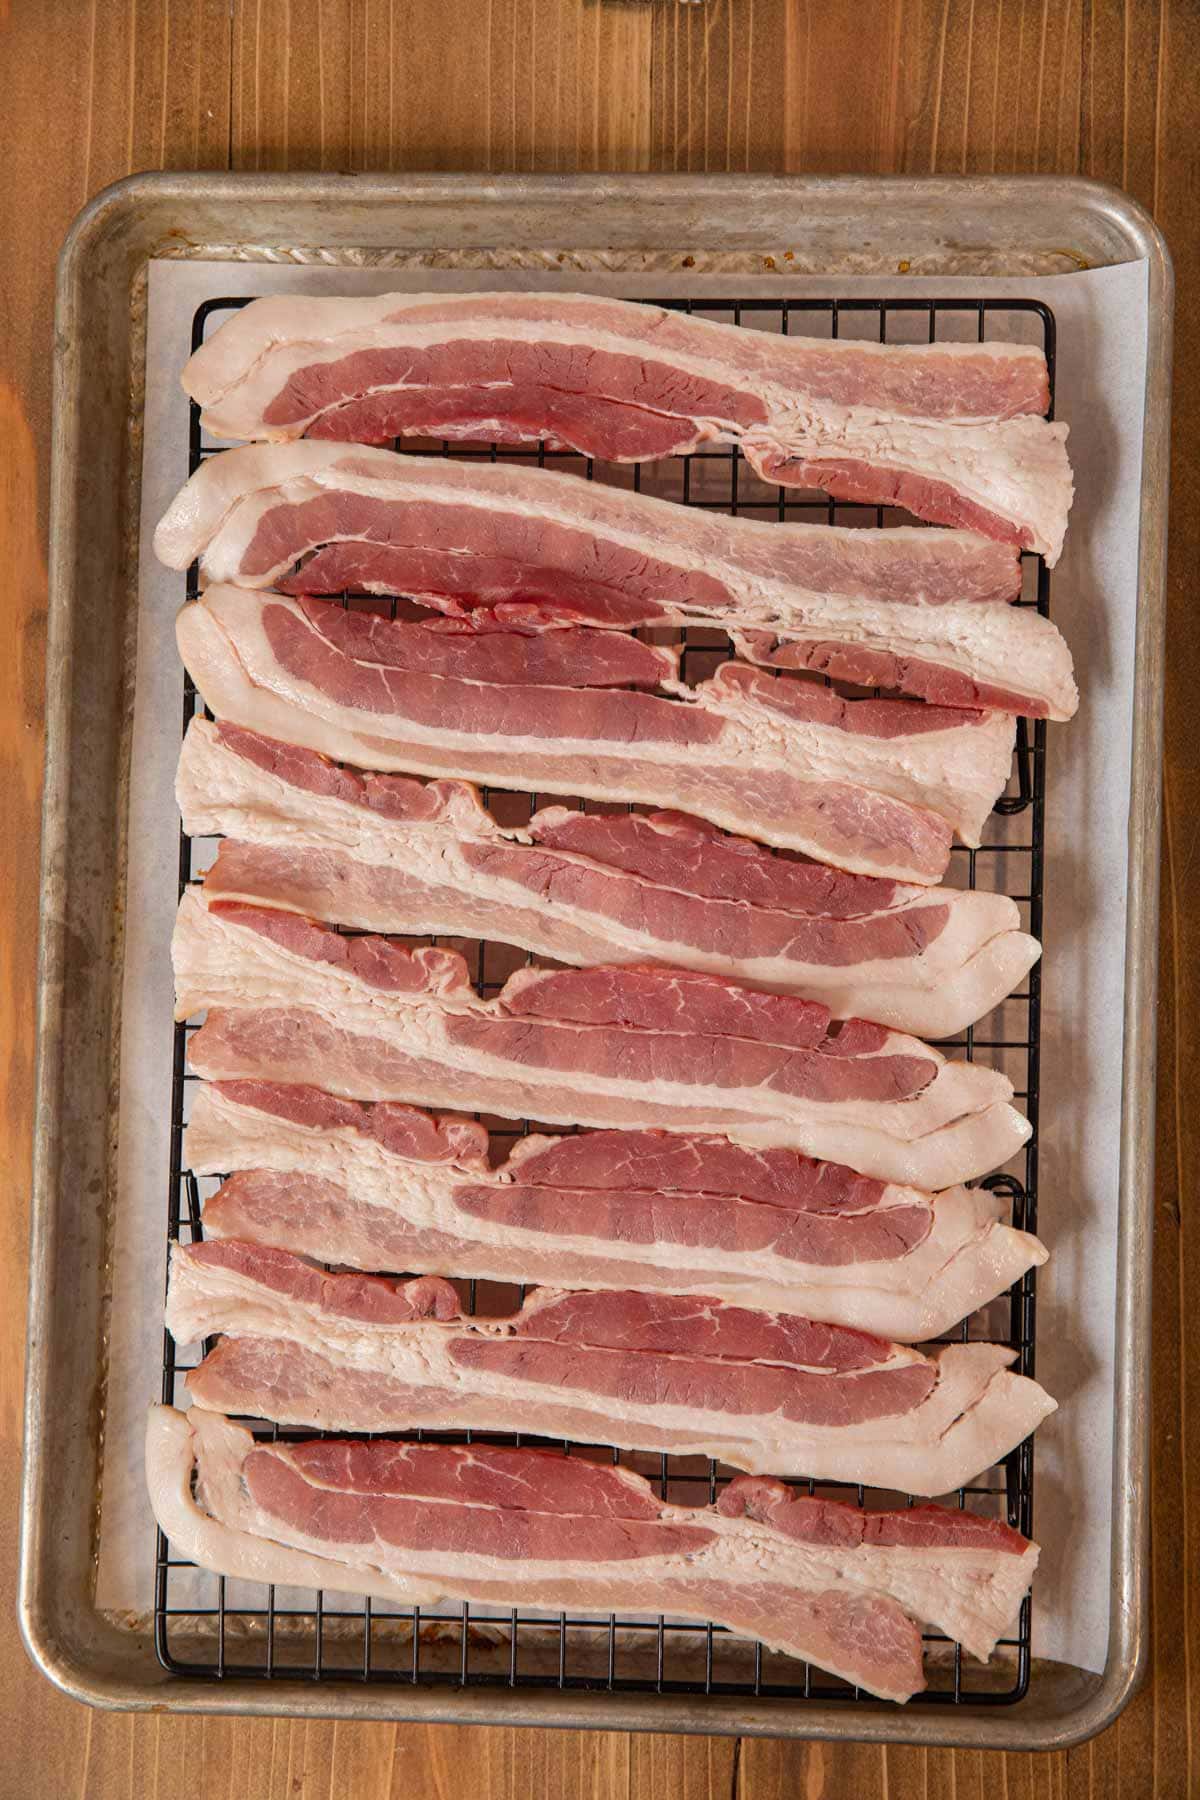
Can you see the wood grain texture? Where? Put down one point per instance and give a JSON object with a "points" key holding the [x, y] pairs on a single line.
{"points": [[97, 88]]}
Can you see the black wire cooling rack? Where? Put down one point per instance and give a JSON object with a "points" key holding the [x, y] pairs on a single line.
{"points": [[206, 1626]]}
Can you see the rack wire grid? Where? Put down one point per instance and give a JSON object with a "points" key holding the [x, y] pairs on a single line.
{"points": [[252, 1632]]}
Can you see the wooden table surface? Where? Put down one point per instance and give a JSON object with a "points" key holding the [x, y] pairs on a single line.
{"points": [[97, 88]]}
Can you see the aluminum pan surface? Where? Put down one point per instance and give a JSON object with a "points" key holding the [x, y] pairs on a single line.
{"points": [[850, 225]]}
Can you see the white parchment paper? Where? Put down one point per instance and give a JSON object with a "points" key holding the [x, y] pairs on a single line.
{"points": [[1101, 318]]}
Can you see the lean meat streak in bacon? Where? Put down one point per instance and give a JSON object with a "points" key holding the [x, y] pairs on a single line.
{"points": [[387, 1187], [760, 1391], [289, 1000], [874, 786], [952, 432], [420, 1523], [526, 547]]}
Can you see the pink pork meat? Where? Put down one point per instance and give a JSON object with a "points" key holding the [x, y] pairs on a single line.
{"points": [[292, 1001], [952, 432], [875, 786], [760, 1391], [918, 611], [387, 1187], [421, 1523], [385, 853]]}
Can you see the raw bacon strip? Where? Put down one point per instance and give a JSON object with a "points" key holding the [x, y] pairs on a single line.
{"points": [[760, 1391], [875, 786], [948, 430], [293, 1001], [419, 1523], [528, 547], [384, 853], [234, 515], [387, 1187]]}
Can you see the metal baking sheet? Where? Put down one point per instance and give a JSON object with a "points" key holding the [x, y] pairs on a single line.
{"points": [[851, 227]]}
